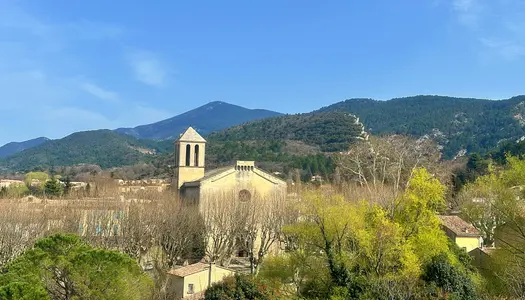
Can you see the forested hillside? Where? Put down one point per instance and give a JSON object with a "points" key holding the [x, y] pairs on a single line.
{"points": [[101, 147], [456, 123], [295, 141], [330, 131], [279, 144], [14, 147]]}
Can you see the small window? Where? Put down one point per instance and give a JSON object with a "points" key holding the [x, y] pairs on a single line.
{"points": [[190, 288], [245, 196]]}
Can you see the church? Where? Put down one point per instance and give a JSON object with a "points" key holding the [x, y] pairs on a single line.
{"points": [[243, 178]]}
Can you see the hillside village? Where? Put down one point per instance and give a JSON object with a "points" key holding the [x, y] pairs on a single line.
{"points": [[262, 150], [97, 210]]}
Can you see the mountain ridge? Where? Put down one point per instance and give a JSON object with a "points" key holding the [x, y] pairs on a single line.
{"points": [[14, 147], [204, 119], [459, 125], [213, 116], [469, 124], [102, 147]]}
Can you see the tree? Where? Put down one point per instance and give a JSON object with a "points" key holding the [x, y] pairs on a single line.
{"points": [[416, 211], [239, 287], [181, 231], [3, 192], [19, 229], [449, 279], [384, 165], [480, 205], [327, 227], [35, 181], [40, 177], [88, 190], [67, 268], [365, 249], [223, 222], [67, 186], [494, 204], [263, 219], [53, 188], [22, 291]]}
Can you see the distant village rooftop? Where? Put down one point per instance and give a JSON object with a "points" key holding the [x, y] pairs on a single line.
{"points": [[458, 226], [189, 269]]}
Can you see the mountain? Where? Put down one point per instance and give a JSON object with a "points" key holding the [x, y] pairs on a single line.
{"points": [[279, 140], [329, 131], [458, 124], [206, 119], [105, 148], [15, 147]]}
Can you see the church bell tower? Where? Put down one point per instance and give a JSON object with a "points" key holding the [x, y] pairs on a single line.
{"points": [[190, 149]]}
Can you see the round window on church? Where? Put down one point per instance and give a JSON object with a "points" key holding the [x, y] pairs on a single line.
{"points": [[245, 196]]}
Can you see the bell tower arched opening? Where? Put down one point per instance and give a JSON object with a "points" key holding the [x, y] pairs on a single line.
{"points": [[188, 155]]}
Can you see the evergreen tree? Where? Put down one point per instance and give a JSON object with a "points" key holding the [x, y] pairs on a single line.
{"points": [[64, 267], [53, 188]]}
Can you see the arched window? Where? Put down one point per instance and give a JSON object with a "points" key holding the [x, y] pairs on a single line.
{"points": [[188, 155], [245, 196], [196, 155]]}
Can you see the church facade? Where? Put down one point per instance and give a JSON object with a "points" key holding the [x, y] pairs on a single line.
{"points": [[243, 179]]}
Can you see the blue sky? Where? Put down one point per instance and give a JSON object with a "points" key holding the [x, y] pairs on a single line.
{"points": [[67, 66]]}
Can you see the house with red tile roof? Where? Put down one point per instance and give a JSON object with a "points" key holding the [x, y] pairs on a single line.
{"points": [[461, 232], [190, 282]]}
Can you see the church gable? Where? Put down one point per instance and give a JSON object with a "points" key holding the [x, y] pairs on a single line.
{"points": [[190, 135], [242, 172]]}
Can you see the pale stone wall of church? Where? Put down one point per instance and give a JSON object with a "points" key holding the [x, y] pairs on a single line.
{"points": [[225, 188], [187, 174], [255, 181]]}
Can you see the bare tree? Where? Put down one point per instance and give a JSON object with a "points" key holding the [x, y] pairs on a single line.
{"points": [[222, 225], [387, 161], [181, 231], [20, 226], [264, 218]]}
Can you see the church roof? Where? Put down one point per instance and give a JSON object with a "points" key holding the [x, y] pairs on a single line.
{"points": [[209, 174], [228, 170], [190, 135]]}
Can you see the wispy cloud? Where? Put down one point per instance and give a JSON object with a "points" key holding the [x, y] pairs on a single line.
{"points": [[99, 92], [45, 80], [497, 25], [148, 68], [469, 11], [509, 49]]}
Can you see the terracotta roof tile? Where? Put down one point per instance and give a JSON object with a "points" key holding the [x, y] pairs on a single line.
{"points": [[189, 270], [459, 226]]}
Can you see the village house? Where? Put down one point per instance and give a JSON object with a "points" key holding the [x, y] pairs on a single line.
{"points": [[482, 258], [190, 282], [461, 232]]}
